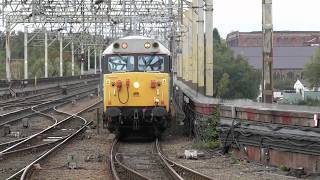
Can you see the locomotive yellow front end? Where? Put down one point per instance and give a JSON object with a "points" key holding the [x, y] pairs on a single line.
{"points": [[137, 85]]}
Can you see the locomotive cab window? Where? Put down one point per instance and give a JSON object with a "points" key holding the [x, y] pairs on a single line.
{"points": [[151, 63], [120, 63]]}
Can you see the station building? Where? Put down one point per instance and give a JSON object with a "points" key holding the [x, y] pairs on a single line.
{"points": [[292, 50]]}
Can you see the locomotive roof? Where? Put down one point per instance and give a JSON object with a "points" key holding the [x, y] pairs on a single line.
{"points": [[133, 39]]}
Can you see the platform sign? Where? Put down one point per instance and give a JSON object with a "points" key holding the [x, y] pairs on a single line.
{"points": [[315, 119]]}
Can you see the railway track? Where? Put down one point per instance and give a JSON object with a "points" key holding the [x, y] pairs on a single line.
{"points": [[145, 161], [35, 99], [37, 114], [17, 115], [23, 155]]}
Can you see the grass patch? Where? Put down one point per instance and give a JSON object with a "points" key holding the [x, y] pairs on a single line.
{"points": [[284, 168], [206, 145], [234, 159]]}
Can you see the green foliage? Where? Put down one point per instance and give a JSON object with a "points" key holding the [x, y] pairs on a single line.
{"points": [[211, 140], [284, 168], [211, 131], [312, 70], [283, 85], [309, 102], [243, 80], [206, 145], [233, 159], [36, 57], [216, 37], [223, 86]]}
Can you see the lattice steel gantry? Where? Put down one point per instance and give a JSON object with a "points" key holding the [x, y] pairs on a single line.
{"points": [[88, 25]]}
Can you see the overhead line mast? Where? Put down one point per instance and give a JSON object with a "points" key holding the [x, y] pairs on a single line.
{"points": [[267, 62]]}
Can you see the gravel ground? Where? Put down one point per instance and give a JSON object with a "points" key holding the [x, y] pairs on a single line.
{"points": [[80, 104], [36, 124], [91, 154], [2, 112], [218, 166], [11, 165]]}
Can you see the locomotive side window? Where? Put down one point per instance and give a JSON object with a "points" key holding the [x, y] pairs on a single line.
{"points": [[150, 63], [120, 63]]}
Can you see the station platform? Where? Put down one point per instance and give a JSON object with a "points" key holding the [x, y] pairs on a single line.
{"points": [[271, 134], [244, 109], [201, 99]]}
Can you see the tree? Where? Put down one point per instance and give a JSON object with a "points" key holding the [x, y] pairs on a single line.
{"points": [[243, 80], [36, 56], [216, 37], [223, 85], [312, 70], [283, 84]]}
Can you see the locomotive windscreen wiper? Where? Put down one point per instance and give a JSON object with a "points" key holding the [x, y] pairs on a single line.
{"points": [[118, 54]]}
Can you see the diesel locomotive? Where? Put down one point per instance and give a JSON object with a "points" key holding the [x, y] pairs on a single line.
{"points": [[137, 83]]}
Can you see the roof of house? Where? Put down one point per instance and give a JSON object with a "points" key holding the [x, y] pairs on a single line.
{"points": [[284, 57]]}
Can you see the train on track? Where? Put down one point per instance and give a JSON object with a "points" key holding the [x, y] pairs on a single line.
{"points": [[137, 85]]}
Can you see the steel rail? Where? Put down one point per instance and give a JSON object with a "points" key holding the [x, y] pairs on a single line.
{"points": [[41, 132], [27, 170], [53, 91], [55, 121], [6, 145], [10, 143], [30, 149], [180, 171], [42, 92], [18, 112], [172, 172], [47, 103], [112, 163], [130, 173], [133, 174]]}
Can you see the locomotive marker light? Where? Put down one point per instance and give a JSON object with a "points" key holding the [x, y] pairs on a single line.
{"points": [[124, 45], [147, 45], [136, 85], [153, 84], [156, 101]]}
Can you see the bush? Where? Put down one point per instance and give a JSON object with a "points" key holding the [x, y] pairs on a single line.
{"points": [[211, 134]]}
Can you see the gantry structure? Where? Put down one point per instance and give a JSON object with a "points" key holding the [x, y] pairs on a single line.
{"points": [[87, 25]]}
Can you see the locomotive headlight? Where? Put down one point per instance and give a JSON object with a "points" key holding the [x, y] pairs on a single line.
{"points": [[116, 45], [136, 85], [147, 45]]}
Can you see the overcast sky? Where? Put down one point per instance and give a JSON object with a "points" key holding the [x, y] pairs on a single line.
{"points": [[245, 15]]}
